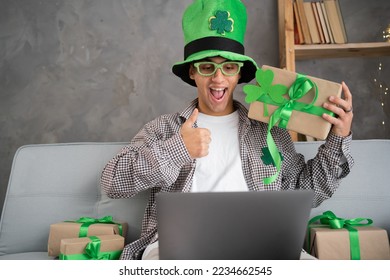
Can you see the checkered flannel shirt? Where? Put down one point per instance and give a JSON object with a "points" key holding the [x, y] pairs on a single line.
{"points": [[156, 159]]}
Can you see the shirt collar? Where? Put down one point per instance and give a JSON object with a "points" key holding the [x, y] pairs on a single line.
{"points": [[242, 110]]}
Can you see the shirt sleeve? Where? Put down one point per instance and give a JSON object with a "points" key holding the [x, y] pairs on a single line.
{"points": [[324, 172], [151, 159]]}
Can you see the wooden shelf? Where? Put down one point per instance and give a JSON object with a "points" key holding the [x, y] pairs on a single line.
{"points": [[374, 49]]}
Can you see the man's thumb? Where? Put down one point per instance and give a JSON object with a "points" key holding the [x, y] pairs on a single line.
{"points": [[192, 119]]}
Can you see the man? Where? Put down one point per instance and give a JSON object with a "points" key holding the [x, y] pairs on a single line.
{"points": [[212, 145]]}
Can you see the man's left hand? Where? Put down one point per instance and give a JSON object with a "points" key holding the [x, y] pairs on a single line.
{"points": [[343, 109]]}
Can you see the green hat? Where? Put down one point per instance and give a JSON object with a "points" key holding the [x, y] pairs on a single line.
{"points": [[215, 28]]}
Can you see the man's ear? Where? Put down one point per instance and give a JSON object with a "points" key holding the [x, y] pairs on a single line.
{"points": [[191, 72]]}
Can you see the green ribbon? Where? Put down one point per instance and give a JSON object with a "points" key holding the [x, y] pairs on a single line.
{"points": [[271, 94], [92, 252], [329, 219], [298, 89], [87, 221]]}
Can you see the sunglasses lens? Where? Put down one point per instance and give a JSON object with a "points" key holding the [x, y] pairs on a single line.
{"points": [[206, 68], [230, 68]]}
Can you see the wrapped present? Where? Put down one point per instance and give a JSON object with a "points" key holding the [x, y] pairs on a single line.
{"points": [[83, 227], [289, 100], [295, 100], [340, 239], [102, 247]]}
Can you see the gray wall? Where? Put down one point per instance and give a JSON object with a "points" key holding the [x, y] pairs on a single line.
{"points": [[83, 70]]}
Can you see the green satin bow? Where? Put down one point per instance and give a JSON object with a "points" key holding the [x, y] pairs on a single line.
{"points": [[298, 89], [87, 221], [93, 250], [330, 219]]}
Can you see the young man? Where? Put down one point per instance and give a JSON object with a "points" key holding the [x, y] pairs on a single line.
{"points": [[212, 145]]}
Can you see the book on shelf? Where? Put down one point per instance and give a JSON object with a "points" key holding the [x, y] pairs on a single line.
{"points": [[303, 20], [322, 22], [318, 22], [311, 23], [327, 22], [341, 20], [298, 35], [336, 21]]}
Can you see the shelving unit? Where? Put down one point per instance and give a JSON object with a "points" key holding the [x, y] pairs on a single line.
{"points": [[289, 53]]}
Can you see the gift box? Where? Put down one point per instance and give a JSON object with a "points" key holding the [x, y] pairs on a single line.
{"points": [[334, 244], [82, 227], [333, 238], [296, 99], [102, 247]]}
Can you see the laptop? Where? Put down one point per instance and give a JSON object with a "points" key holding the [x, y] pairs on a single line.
{"points": [[266, 225]]}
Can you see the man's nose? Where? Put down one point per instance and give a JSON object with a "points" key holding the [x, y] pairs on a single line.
{"points": [[218, 75]]}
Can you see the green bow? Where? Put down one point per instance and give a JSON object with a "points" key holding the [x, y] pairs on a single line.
{"points": [[87, 221], [330, 219], [298, 89], [93, 250], [271, 94]]}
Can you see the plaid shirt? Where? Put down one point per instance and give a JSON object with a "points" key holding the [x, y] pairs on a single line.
{"points": [[156, 159]]}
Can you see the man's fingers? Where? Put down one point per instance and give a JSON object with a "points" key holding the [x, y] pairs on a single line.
{"points": [[342, 107], [347, 92]]}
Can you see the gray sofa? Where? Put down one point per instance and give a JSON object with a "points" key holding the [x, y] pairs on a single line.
{"points": [[50, 183]]}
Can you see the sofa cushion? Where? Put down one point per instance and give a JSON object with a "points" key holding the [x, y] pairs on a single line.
{"points": [[364, 193], [27, 256], [50, 183]]}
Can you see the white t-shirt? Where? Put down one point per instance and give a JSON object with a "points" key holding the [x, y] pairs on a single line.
{"points": [[221, 169]]}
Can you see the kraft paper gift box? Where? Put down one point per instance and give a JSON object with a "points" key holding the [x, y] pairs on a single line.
{"points": [[102, 247], [300, 121], [83, 227], [334, 244]]}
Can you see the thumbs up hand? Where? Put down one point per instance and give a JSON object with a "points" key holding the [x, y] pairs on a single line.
{"points": [[196, 140]]}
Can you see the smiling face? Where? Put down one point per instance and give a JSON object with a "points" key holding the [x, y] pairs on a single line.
{"points": [[215, 92]]}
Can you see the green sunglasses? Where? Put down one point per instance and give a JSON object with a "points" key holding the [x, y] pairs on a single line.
{"points": [[228, 68]]}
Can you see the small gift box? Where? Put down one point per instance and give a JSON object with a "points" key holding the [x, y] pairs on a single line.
{"points": [[339, 239], [293, 100], [102, 247], [289, 100], [83, 227]]}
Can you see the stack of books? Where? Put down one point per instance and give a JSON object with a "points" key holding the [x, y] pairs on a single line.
{"points": [[318, 22]]}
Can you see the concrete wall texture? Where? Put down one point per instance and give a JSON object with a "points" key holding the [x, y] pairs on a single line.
{"points": [[95, 70]]}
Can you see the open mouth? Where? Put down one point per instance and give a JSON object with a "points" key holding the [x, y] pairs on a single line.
{"points": [[218, 93]]}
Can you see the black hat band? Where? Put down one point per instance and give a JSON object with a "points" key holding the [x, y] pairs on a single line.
{"points": [[213, 43]]}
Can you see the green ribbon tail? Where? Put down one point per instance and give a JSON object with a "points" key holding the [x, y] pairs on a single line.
{"points": [[273, 149], [354, 243]]}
